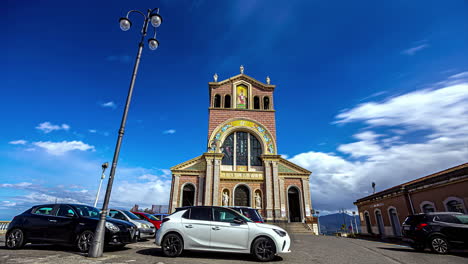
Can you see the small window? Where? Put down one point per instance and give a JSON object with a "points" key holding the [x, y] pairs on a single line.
{"points": [[223, 215], [266, 103], [200, 213], [186, 215], [447, 219], [66, 211], [256, 102], [43, 210], [428, 208], [455, 206], [217, 101], [227, 101]]}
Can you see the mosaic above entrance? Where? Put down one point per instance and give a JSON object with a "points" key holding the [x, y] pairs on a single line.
{"points": [[261, 131]]}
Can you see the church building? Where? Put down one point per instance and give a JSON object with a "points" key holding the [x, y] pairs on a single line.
{"points": [[241, 166]]}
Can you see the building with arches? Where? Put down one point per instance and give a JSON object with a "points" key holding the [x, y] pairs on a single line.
{"points": [[241, 166], [382, 213]]}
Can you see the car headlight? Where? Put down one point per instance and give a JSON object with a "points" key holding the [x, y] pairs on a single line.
{"points": [[112, 227], [279, 232]]}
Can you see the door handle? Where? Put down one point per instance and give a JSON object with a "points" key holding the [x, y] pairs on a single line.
{"points": [[215, 228], [189, 226], [52, 220]]}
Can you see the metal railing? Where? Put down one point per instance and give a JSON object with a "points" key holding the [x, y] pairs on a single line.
{"points": [[4, 226]]}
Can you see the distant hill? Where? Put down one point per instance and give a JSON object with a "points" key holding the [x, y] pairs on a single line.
{"points": [[331, 223]]}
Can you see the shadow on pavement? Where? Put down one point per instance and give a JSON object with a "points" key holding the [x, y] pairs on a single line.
{"points": [[205, 255], [459, 253], [64, 248]]}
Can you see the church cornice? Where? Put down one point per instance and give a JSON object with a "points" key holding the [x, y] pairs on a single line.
{"points": [[301, 171], [240, 109], [257, 83], [179, 167]]}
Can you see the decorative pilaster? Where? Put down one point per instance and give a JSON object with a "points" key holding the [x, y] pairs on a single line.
{"points": [[269, 191], [175, 192], [306, 196], [201, 185], [276, 190], [208, 180], [216, 176], [282, 198]]}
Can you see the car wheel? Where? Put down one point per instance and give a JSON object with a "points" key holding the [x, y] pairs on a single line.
{"points": [[84, 241], [439, 245], [264, 249], [15, 239], [172, 245]]}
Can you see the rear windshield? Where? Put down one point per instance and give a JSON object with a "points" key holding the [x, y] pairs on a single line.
{"points": [[414, 219]]}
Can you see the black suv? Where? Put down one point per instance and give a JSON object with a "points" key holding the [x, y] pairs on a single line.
{"points": [[66, 224], [438, 231]]}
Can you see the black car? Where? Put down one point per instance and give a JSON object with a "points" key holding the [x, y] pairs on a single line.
{"points": [[72, 224], [438, 231]]}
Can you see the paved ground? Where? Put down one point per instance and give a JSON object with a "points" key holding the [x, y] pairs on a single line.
{"points": [[305, 249]]}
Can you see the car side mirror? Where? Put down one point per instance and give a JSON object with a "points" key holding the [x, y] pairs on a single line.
{"points": [[238, 221]]}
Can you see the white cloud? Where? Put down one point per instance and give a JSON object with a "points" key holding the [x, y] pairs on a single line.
{"points": [[7, 204], [16, 185], [395, 155], [170, 131], [48, 127], [18, 142], [110, 104], [411, 51], [60, 148], [92, 131]]}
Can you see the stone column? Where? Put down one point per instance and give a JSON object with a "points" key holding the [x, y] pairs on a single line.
{"points": [[268, 190], [282, 198], [201, 186], [208, 180], [276, 190], [216, 175], [306, 196], [175, 193]]}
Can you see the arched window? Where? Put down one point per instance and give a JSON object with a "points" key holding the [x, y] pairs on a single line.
{"points": [[256, 102], [217, 101], [392, 213], [428, 208], [266, 102], [242, 196], [455, 206], [242, 148], [368, 223], [227, 101], [188, 195]]}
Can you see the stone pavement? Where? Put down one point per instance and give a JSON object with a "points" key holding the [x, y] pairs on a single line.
{"points": [[305, 249]]}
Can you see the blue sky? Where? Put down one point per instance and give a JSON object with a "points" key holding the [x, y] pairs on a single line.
{"points": [[366, 91]]}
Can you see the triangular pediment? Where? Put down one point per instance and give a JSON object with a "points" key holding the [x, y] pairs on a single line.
{"points": [[256, 83], [195, 164], [286, 167]]}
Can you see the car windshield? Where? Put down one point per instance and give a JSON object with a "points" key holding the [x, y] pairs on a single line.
{"points": [[87, 211], [131, 215], [151, 217], [250, 213]]}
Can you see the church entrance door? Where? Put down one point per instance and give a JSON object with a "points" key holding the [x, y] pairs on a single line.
{"points": [[241, 196], [188, 195], [294, 206]]}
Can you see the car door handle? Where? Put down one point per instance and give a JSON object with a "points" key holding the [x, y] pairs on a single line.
{"points": [[215, 228], [189, 226], [52, 220]]}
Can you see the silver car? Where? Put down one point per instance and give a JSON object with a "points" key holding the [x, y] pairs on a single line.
{"points": [[145, 228]]}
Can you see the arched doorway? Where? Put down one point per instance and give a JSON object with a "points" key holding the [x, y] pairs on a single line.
{"points": [[242, 196], [395, 222], [294, 205], [368, 224], [378, 217], [188, 195]]}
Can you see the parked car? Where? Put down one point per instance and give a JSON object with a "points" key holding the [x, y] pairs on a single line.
{"points": [[145, 228], [249, 212], [438, 231], [214, 228], [150, 218], [66, 224]]}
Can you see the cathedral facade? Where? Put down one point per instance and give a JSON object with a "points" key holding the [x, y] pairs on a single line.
{"points": [[241, 166]]}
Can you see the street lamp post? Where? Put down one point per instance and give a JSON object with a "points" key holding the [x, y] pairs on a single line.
{"points": [[97, 245], [355, 222], [104, 167], [318, 221]]}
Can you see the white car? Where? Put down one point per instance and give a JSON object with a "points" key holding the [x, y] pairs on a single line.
{"points": [[212, 228]]}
